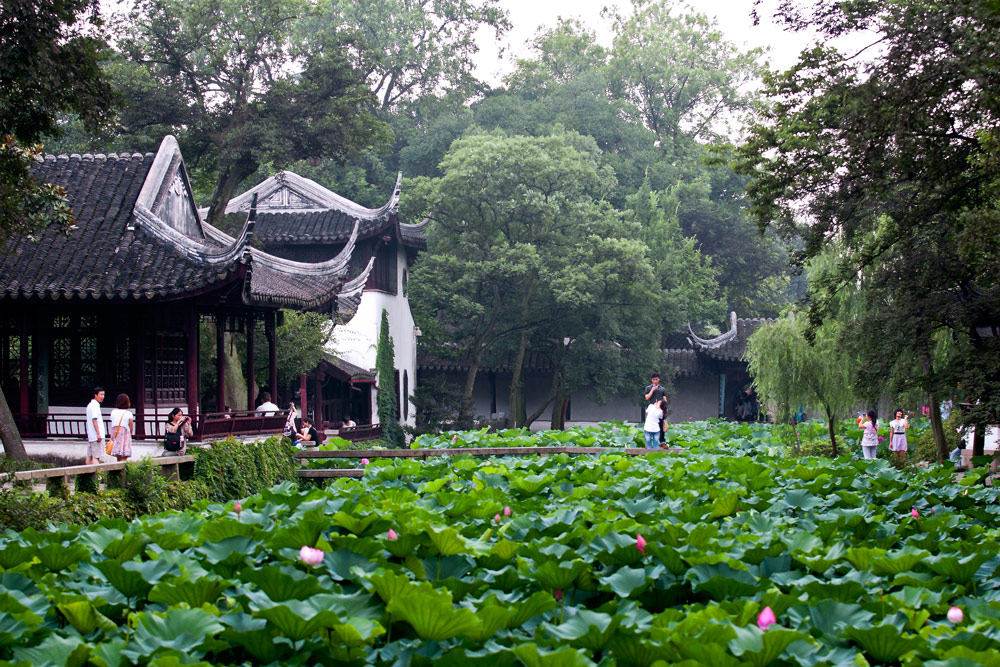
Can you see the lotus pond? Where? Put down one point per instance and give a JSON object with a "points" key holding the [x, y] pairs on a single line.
{"points": [[533, 561]]}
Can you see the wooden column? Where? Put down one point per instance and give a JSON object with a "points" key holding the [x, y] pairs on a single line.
{"points": [[272, 356], [139, 343], [318, 398], [25, 363], [220, 362], [251, 395], [191, 362], [303, 399]]}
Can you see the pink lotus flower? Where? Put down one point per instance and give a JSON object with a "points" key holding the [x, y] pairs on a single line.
{"points": [[455, 439], [365, 462], [766, 619], [393, 535], [614, 428], [237, 507], [506, 511], [558, 594], [496, 517], [955, 615], [640, 544], [311, 556], [914, 513], [881, 438]]}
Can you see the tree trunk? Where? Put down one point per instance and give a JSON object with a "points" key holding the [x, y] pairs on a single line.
{"points": [[937, 428], [979, 437], [225, 185], [13, 446], [517, 415], [833, 432], [236, 384]]}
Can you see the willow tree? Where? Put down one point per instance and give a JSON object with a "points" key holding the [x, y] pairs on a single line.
{"points": [[789, 369]]}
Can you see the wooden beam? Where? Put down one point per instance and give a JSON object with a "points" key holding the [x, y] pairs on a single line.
{"points": [[272, 357], [220, 362], [251, 350], [192, 335], [25, 362]]}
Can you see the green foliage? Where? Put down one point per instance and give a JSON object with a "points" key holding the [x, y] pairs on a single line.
{"points": [[387, 397], [729, 527], [237, 78], [917, 225], [440, 405], [231, 469]]}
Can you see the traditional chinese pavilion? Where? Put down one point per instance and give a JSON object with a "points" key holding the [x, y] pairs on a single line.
{"points": [[118, 301]]}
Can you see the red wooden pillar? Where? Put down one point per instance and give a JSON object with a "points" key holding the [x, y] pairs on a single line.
{"points": [[272, 356], [251, 389], [139, 343], [220, 362], [25, 363], [303, 400], [191, 363], [318, 398]]}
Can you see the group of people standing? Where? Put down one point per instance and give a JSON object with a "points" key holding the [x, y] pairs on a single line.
{"points": [[656, 425], [119, 444], [868, 423]]}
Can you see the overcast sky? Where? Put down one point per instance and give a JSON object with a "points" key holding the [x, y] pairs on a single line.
{"points": [[733, 17]]}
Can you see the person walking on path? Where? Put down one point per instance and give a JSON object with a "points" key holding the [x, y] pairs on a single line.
{"points": [[95, 428], [122, 429], [897, 436], [651, 428], [869, 441], [655, 393]]}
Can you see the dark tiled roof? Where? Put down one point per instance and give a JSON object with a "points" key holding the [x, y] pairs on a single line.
{"points": [[414, 236], [138, 236], [731, 345], [533, 361], [347, 368], [682, 362], [306, 227], [104, 256]]}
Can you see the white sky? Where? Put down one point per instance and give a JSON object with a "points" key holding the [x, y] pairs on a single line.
{"points": [[733, 17]]}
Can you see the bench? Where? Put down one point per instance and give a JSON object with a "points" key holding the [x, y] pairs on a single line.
{"points": [[170, 467], [239, 422], [362, 432]]}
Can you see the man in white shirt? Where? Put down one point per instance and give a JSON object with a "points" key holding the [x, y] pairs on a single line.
{"points": [[95, 427], [267, 408]]}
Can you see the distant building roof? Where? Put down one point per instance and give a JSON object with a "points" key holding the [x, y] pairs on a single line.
{"points": [[731, 345], [138, 236], [292, 209]]}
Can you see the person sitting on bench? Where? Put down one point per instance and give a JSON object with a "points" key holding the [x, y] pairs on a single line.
{"points": [[308, 436]]}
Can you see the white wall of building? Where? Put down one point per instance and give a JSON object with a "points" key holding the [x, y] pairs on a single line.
{"points": [[357, 341]]}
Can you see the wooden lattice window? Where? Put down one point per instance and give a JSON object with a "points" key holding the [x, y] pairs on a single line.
{"points": [[164, 367], [74, 356]]}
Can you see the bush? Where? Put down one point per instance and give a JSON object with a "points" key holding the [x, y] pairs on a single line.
{"points": [[21, 509], [232, 469]]}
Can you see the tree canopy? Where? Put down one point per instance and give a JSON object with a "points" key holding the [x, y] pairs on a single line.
{"points": [[894, 156]]}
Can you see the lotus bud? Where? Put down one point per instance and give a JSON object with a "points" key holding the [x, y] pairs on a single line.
{"points": [[237, 507], [640, 544], [496, 517], [506, 511], [955, 615], [766, 619], [311, 556], [914, 513], [455, 439], [558, 594], [365, 462], [393, 535]]}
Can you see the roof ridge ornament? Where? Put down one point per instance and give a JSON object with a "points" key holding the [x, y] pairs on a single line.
{"points": [[718, 341]]}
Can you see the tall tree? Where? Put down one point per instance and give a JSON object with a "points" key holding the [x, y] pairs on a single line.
{"points": [[50, 62], [513, 220], [387, 398], [234, 82], [894, 154], [412, 48]]}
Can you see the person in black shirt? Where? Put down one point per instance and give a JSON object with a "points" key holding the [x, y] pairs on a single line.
{"points": [[654, 394], [309, 436]]}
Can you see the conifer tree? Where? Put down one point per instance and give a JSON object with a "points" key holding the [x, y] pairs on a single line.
{"points": [[388, 410]]}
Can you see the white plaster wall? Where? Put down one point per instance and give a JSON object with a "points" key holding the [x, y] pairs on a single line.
{"points": [[357, 341]]}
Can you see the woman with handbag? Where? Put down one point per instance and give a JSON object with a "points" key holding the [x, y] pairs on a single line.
{"points": [[121, 432], [177, 431]]}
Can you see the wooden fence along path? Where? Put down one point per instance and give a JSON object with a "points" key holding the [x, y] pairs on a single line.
{"points": [[170, 467], [326, 473]]}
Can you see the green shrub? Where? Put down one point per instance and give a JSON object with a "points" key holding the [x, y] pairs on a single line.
{"points": [[144, 486], [232, 469], [23, 508]]}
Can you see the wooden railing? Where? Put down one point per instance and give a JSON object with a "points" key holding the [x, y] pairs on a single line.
{"points": [[70, 426], [239, 422], [361, 432]]}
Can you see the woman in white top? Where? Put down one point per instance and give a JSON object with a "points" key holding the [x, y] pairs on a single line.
{"points": [[897, 436], [651, 429], [122, 426]]}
